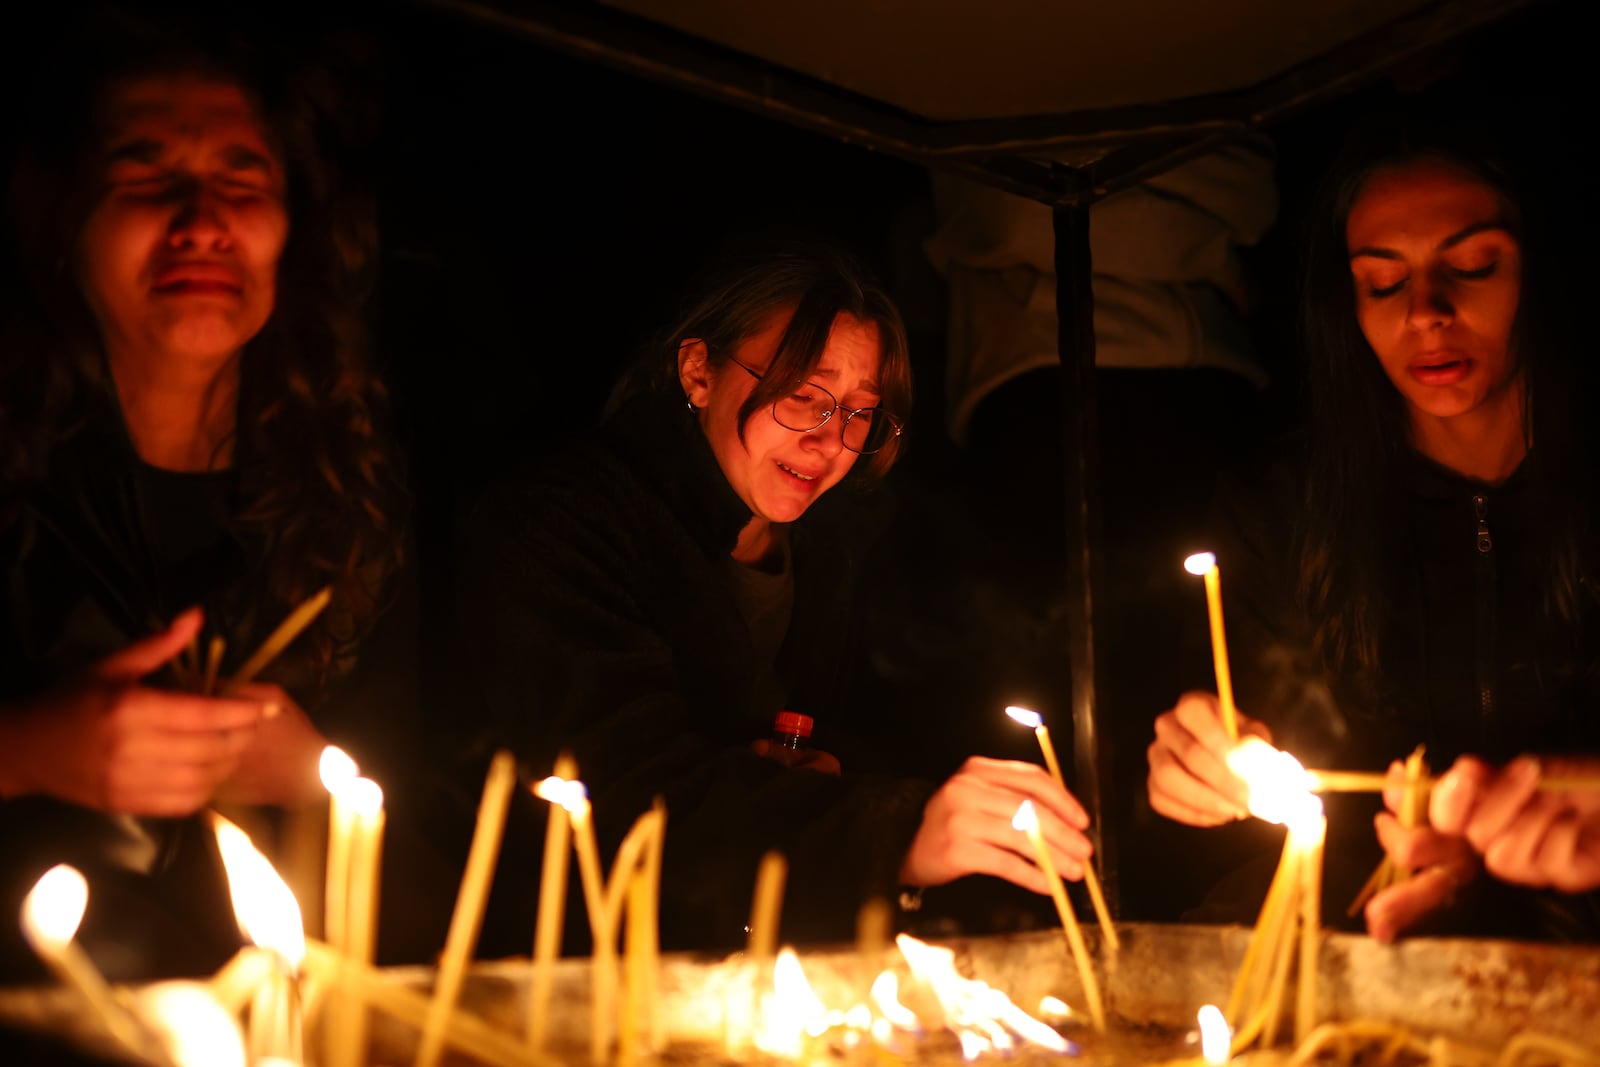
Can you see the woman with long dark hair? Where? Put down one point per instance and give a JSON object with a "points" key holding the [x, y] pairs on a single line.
{"points": [[1438, 587], [189, 448]]}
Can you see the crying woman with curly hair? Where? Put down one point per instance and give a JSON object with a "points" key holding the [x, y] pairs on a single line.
{"points": [[190, 447]]}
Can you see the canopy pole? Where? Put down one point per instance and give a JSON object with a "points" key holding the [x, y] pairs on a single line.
{"points": [[1080, 428]]}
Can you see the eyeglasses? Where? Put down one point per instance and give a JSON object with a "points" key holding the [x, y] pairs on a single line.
{"points": [[866, 430]]}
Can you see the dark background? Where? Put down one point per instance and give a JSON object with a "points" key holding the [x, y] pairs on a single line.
{"points": [[538, 212]]}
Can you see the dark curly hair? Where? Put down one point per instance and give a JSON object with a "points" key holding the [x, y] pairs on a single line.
{"points": [[320, 494]]}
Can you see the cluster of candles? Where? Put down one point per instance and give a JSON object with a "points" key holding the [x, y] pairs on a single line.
{"points": [[186, 1023]]}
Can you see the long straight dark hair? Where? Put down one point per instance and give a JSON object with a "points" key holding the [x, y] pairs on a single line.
{"points": [[1350, 544]]}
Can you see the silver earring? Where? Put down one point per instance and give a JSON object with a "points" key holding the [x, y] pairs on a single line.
{"points": [[690, 405]]}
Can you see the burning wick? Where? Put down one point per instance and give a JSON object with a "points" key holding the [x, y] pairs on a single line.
{"points": [[1205, 565]]}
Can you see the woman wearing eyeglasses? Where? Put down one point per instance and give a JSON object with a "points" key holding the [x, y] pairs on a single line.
{"points": [[651, 599]]}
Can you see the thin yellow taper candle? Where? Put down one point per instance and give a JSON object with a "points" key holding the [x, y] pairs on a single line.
{"points": [[552, 909], [766, 905], [1091, 879], [470, 902], [366, 863], [1305, 1018], [1205, 564], [337, 770], [1027, 820], [50, 917]]}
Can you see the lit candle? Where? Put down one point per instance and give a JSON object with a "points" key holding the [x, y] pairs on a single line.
{"points": [[1205, 563], [1091, 880], [50, 917], [269, 915], [193, 1027], [338, 771], [1315, 836], [574, 799], [1027, 820], [766, 905], [1214, 1035], [347, 1036], [552, 905], [1279, 792], [473, 896]]}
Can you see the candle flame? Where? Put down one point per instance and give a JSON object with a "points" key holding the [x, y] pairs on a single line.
{"points": [[1280, 788], [1026, 716], [569, 793], [983, 1017], [1026, 818], [1200, 562], [364, 796], [885, 994], [195, 1029], [55, 905], [262, 902], [1214, 1035], [336, 768], [792, 1011], [1054, 1008]]}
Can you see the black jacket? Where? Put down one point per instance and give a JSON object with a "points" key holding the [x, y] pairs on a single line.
{"points": [[105, 551], [599, 617]]}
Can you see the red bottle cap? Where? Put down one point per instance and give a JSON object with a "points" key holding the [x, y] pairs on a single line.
{"points": [[792, 722]]}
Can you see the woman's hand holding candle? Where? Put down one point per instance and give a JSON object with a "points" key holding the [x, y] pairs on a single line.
{"points": [[280, 766], [1525, 834], [109, 741], [1439, 862], [966, 827], [1189, 779]]}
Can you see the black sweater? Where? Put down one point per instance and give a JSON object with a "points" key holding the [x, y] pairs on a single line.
{"points": [[600, 617]]}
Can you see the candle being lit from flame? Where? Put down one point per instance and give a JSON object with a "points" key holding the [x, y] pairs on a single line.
{"points": [[571, 795], [263, 903], [1280, 788], [1214, 1035]]}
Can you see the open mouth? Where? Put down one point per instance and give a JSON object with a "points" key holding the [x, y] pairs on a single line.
{"points": [[796, 474], [1441, 371]]}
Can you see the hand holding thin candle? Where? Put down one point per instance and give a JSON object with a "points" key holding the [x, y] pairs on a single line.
{"points": [[1436, 864], [1189, 779], [966, 827], [1091, 881], [1528, 834]]}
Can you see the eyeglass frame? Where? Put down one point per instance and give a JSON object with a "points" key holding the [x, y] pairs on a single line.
{"points": [[833, 409]]}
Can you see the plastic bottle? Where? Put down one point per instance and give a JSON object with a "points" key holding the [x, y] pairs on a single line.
{"points": [[791, 736]]}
